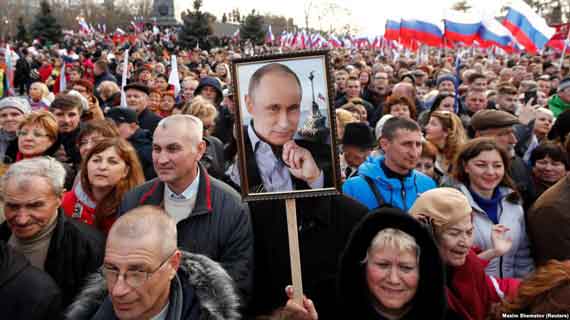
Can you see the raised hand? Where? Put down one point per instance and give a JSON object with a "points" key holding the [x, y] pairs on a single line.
{"points": [[501, 242]]}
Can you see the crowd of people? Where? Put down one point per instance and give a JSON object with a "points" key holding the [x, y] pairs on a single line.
{"points": [[454, 203]]}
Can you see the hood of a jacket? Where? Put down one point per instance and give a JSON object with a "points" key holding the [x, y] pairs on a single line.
{"points": [[353, 290], [214, 83], [11, 263], [211, 283]]}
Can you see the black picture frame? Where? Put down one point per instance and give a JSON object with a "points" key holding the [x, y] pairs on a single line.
{"points": [[312, 129]]}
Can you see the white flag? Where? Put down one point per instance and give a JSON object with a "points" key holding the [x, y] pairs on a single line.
{"points": [[173, 79], [124, 80]]}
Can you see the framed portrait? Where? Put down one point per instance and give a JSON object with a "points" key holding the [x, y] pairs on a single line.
{"points": [[285, 126]]}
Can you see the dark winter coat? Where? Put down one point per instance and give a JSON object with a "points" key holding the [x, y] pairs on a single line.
{"points": [[224, 126], [548, 224], [106, 76], [430, 299], [202, 289], [218, 227], [324, 224], [213, 159], [142, 142], [148, 120], [26, 293], [75, 251], [522, 177]]}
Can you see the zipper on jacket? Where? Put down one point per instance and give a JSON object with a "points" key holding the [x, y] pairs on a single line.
{"points": [[403, 195], [501, 267]]}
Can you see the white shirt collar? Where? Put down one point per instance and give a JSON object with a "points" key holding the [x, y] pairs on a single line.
{"points": [[191, 190]]}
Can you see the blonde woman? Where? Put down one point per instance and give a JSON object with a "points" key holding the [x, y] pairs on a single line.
{"points": [[213, 159], [38, 96], [446, 132]]}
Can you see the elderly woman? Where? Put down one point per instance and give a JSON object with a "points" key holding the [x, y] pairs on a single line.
{"points": [[549, 163], [37, 134], [108, 171], [12, 112], [390, 269], [531, 135], [213, 158], [481, 172], [38, 96], [167, 102], [446, 132], [400, 106], [470, 292], [37, 228]]}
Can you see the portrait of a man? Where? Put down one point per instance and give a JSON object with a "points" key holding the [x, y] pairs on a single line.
{"points": [[285, 130]]}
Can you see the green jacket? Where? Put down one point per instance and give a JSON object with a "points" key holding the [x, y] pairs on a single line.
{"points": [[557, 106]]}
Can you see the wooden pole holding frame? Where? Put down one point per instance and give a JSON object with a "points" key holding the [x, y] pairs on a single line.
{"points": [[294, 253]]}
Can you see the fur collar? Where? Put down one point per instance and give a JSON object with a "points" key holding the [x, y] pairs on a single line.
{"points": [[212, 284]]}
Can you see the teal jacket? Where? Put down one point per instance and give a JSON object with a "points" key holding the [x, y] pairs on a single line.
{"points": [[397, 193]]}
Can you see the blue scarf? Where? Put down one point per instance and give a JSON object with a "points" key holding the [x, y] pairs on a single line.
{"points": [[490, 206]]}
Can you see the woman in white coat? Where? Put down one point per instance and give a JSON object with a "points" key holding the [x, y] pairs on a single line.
{"points": [[481, 172]]}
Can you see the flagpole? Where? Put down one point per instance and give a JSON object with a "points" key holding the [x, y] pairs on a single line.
{"points": [[565, 47]]}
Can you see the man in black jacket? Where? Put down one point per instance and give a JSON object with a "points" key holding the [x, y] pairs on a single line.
{"points": [[126, 121], [137, 100], [26, 293], [35, 226], [210, 217]]}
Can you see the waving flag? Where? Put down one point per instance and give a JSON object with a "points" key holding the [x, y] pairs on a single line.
{"points": [[62, 79], [493, 33], [527, 26], [174, 78], [124, 80], [392, 31], [424, 30], [334, 41], [461, 26]]}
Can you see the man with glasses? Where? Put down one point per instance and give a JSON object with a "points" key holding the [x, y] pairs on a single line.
{"points": [[146, 276]]}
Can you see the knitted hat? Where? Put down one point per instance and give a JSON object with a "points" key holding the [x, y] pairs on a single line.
{"points": [[17, 103], [446, 77], [441, 207]]}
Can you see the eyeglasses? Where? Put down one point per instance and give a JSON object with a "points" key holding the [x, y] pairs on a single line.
{"points": [[35, 134], [134, 278]]}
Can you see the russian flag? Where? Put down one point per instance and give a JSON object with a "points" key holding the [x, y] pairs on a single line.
{"points": [[461, 26], [334, 41], [422, 30], [392, 31], [527, 26], [494, 33]]}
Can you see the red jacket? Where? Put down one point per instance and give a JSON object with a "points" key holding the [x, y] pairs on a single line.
{"points": [[78, 205], [472, 292]]}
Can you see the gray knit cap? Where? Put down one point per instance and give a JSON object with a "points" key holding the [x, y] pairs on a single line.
{"points": [[19, 103]]}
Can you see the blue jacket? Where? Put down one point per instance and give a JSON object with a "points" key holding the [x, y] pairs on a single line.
{"points": [[391, 189]]}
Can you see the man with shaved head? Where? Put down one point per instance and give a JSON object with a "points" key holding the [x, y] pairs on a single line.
{"points": [[210, 216], [145, 276]]}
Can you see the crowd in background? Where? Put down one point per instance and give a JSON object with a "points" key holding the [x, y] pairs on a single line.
{"points": [[454, 203]]}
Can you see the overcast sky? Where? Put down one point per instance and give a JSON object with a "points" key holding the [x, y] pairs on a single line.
{"points": [[368, 15]]}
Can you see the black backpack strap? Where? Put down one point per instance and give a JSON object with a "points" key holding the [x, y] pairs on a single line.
{"points": [[375, 191]]}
